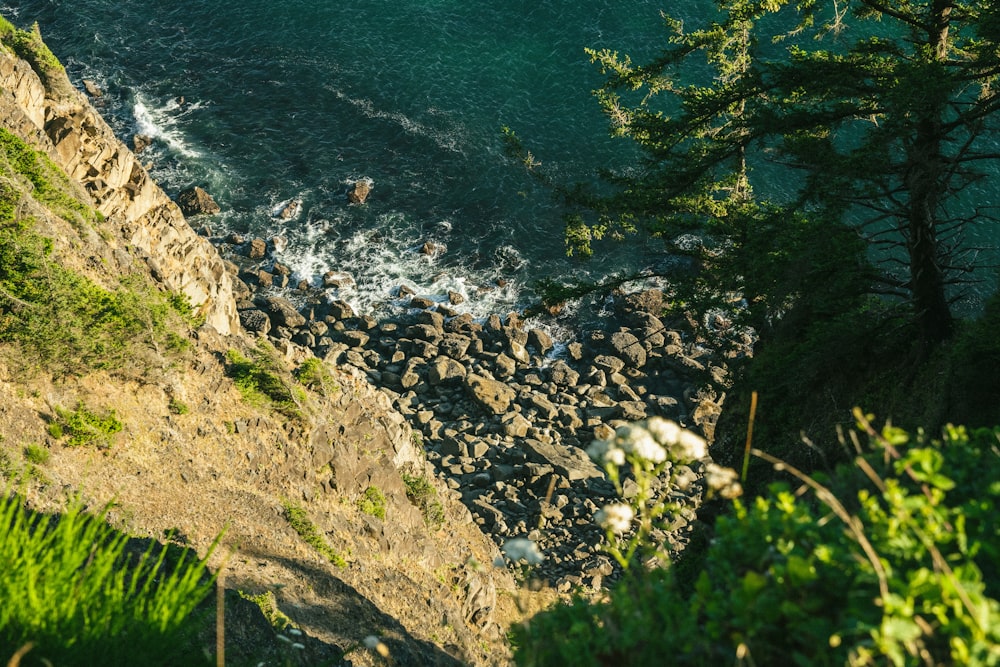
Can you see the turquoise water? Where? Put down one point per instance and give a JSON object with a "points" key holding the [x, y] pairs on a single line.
{"points": [[296, 99]]}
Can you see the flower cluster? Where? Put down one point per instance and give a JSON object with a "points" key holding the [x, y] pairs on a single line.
{"points": [[616, 517], [723, 481], [652, 441], [521, 549]]}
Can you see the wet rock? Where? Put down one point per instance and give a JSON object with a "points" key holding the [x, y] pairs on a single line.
{"points": [[258, 248], [195, 201], [540, 341], [359, 191], [338, 280]]}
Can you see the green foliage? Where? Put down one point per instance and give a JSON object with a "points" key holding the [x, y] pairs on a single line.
{"points": [[269, 607], [307, 530], [261, 381], [315, 375], [421, 492], [896, 564], [80, 593], [372, 502], [177, 406], [36, 454], [85, 427]]}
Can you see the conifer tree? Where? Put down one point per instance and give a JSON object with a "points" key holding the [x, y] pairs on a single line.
{"points": [[786, 130]]}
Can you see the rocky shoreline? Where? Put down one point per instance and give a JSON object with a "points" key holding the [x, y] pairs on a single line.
{"points": [[504, 413]]}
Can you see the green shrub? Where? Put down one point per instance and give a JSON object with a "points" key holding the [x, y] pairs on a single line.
{"points": [[372, 502], [315, 375], [307, 530], [260, 382], [422, 493], [75, 589], [177, 406], [36, 454], [85, 427], [899, 566]]}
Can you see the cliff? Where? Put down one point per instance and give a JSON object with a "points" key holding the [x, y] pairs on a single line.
{"points": [[216, 429], [60, 121]]}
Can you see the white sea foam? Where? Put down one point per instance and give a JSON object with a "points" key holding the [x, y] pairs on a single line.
{"points": [[161, 124]]}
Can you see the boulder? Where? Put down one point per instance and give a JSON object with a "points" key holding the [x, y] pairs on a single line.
{"points": [[195, 201], [628, 347], [283, 312], [258, 248], [255, 320], [493, 396], [445, 370], [288, 210], [563, 375], [539, 340], [141, 142], [359, 191]]}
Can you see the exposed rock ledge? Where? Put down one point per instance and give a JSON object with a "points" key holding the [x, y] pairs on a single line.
{"points": [[82, 143]]}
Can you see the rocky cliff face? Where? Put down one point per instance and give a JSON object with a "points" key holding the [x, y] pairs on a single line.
{"points": [[67, 127]]}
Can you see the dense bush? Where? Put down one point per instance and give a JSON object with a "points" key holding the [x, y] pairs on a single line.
{"points": [[891, 561]]}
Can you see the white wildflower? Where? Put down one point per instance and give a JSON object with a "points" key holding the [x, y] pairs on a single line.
{"points": [[643, 446], [665, 431], [604, 452], [723, 481], [689, 447], [522, 549], [616, 517], [376, 644]]}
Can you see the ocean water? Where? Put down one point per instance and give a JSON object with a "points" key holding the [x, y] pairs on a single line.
{"points": [[297, 99]]}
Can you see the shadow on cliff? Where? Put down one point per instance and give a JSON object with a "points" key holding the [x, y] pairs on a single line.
{"points": [[350, 614]]}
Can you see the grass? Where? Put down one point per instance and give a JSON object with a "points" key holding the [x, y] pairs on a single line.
{"points": [[268, 605], [85, 597], [307, 530], [83, 426], [36, 454], [316, 375], [260, 381]]}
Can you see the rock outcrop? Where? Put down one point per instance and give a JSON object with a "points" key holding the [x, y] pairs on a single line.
{"points": [[138, 212]]}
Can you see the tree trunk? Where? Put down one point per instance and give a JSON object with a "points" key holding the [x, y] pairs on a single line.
{"points": [[926, 180]]}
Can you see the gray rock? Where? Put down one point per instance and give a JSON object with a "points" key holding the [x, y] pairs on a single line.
{"points": [[628, 347], [195, 201], [445, 370], [283, 312], [255, 320], [493, 396]]}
